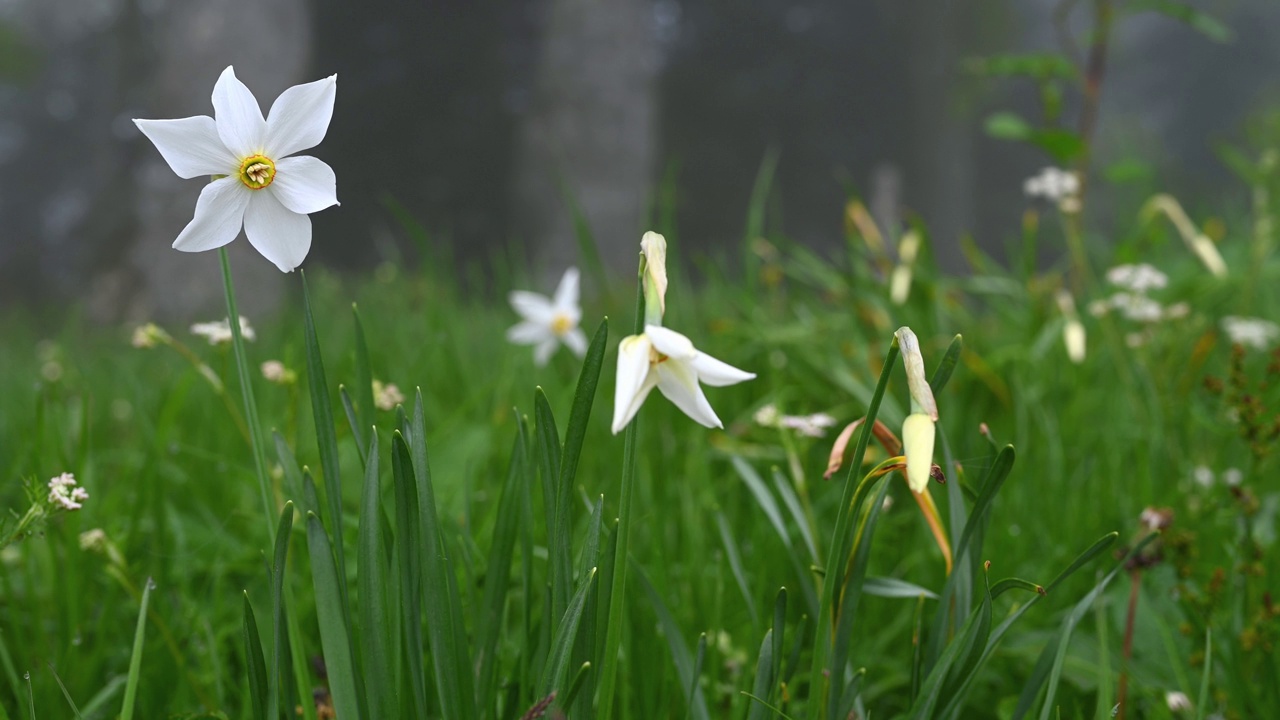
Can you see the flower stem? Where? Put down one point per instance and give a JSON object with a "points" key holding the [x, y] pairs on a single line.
{"points": [[250, 405], [613, 630]]}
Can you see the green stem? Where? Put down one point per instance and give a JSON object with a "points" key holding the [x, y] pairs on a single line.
{"points": [[613, 629], [250, 405]]}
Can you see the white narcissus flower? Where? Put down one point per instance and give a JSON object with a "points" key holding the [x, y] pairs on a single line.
{"points": [[256, 185], [667, 360], [547, 322]]}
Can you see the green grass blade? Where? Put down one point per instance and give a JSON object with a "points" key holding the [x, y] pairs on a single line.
{"points": [[585, 648], [375, 617], [567, 463], [256, 666], [679, 651], [66, 694], [1073, 619], [852, 586], [335, 636], [1015, 584], [773, 513], [558, 550], [354, 421], [959, 692], [409, 547], [497, 577], [699, 657], [445, 630], [575, 687], [278, 567], [292, 471], [887, 587], [764, 680], [135, 659], [101, 698], [789, 498], [947, 365], [1202, 700], [779, 634], [978, 517], [566, 634], [364, 380], [841, 541], [735, 566], [327, 441]]}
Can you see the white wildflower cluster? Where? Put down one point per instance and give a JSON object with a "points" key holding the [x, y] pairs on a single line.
{"points": [[63, 492], [218, 333], [814, 426], [386, 396], [1251, 332], [1205, 478], [1057, 186], [1132, 301]]}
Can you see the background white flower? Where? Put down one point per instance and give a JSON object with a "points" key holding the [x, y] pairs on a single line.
{"points": [[255, 183], [1250, 331], [220, 331], [547, 322], [1137, 278]]}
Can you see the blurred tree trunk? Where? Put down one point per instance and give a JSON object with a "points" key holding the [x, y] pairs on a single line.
{"points": [[589, 132]]}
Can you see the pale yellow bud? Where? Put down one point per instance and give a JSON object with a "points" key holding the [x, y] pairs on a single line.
{"points": [[917, 442], [654, 247]]}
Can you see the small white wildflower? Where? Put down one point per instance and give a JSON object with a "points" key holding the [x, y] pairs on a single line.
{"points": [[386, 397], [767, 416], [1055, 185], [1177, 702], [1135, 339], [94, 539], [220, 332], [148, 336], [1203, 476], [1098, 308], [64, 493], [276, 372], [1136, 307], [808, 425], [1232, 477], [1177, 311], [1251, 331], [1137, 278]]}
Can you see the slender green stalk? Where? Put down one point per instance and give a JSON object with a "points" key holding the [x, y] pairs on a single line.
{"points": [[613, 629], [135, 659], [246, 387]]}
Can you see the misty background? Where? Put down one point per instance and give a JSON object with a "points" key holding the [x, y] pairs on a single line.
{"points": [[479, 119]]}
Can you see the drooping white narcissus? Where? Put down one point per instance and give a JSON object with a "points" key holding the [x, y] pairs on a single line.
{"points": [[549, 321], [256, 185], [917, 429], [665, 359]]}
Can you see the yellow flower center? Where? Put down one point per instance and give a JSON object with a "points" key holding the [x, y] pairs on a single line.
{"points": [[561, 324], [257, 172]]}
